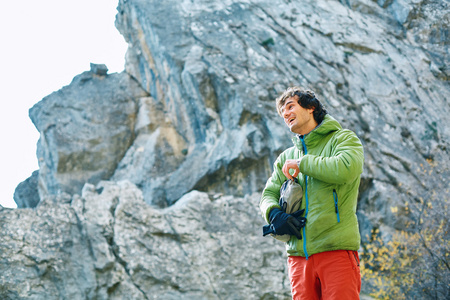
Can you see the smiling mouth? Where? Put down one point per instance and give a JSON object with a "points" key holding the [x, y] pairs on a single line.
{"points": [[290, 120]]}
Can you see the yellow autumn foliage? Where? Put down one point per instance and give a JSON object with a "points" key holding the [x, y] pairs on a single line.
{"points": [[413, 263]]}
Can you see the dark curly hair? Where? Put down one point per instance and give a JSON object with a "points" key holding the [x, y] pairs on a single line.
{"points": [[306, 99]]}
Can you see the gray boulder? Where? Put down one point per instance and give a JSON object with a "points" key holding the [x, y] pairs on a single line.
{"points": [[109, 244], [26, 193], [86, 128]]}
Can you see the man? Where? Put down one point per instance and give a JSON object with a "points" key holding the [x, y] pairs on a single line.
{"points": [[327, 161]]}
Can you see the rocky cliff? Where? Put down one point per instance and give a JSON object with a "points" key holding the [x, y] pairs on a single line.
{"points": [[109, 244], [193, 117]]}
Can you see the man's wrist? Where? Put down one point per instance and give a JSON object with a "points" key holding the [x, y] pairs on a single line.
{"points": [[298, 162], [273, 212]]}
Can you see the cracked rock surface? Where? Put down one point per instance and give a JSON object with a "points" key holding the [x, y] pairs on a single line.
{"points": [[109, 244]]}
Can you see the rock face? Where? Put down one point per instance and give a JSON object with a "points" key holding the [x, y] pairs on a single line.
{"points": [[109, 244], [86, 128], [26, 193], [198, 111], [193, 114], [214, 69]]}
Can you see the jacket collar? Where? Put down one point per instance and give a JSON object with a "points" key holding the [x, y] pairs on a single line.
{"points": [[328, 125]]}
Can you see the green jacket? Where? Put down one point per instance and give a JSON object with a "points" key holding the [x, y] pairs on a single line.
{"points": [[330, 170]]}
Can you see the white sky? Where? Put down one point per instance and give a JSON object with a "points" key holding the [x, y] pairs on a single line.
{"points": [[44, 44]]}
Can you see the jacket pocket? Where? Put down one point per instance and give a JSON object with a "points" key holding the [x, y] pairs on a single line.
{"points": [[354, 258], [336, 205]]}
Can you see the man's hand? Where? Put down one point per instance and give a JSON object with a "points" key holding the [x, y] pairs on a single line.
{"points": [[282, 223], [288, 165]]}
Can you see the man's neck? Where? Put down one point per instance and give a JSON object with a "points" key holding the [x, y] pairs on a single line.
{"points": [[308, 129]]}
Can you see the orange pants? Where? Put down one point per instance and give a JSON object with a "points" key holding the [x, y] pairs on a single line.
{"points": [[326, 275]]}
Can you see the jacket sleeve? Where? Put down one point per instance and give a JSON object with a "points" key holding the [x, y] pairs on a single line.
{"points": [[343, 166], [271, 193]]}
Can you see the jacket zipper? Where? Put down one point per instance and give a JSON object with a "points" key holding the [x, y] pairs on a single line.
{"points": [[336, 209], [305, 151]]}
